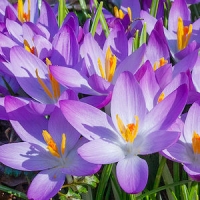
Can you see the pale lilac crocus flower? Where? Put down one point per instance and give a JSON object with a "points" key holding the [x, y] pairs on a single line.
{"points": [[187, 149], [129, 132], [49, 146]]}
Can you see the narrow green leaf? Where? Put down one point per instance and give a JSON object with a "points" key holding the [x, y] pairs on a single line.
{"points": [[105, 175], [96, 19], [193, 191], [162, 188], [143, 35], [136, 40], [159, 173], [84, 8], [103, 21], [154, 7], [184, 192], [13, 192], [61, 12], [176, 175]]}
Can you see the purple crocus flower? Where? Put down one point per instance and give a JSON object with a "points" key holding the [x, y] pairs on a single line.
{"points": [[182, 36], [130, 131], [187, 149], [50, 147]]}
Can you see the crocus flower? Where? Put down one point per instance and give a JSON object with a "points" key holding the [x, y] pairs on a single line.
{"points": [[129, 132], [182, 35], [187, 149], [50, 147]]}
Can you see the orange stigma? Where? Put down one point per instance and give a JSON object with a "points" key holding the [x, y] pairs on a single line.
{"points": [[110, 65], [130, 131], [52, 146], [183, 34], [196, 143], [159, 63], [55, 87], [22, 16]]}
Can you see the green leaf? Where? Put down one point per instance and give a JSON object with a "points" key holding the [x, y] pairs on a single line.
{"points": [[96, 19], [154, 8], [16, 193], [162, 188], [184, 192], [105, 175], [143, 35], [61, 12]]}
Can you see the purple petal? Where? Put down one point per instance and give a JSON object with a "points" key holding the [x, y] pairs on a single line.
{"points": [[46, 184], [127, 100], [154, 142], [91, 122], [75, 80], [132, 174], [23, 120], [65, 48], [131, 63], [179, 9], [178, 152], [48, 19], [27, 156], [58, 125], [101, 151], [166, 112], [192, 122], [76, 165]]}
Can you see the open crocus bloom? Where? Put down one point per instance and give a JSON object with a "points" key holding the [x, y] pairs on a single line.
{"points": [[187, 149], [50, 147], [130, 131]]}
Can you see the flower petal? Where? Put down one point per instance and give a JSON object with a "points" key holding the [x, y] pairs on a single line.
{"points": [[101, 151], [132, 174], [26, 156], [76, 165], [91, 122], [127, 100], [46, 184]]}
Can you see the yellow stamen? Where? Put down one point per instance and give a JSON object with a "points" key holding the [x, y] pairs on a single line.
{"points": [[63, 143], [183, 34], [161, 97], [45, 88], [22, 16], [121, 14], [101, 69], [55, 94], [196, 143], [128, 132], [129, 13], [51, 145], [118, 13], [28, 48], [54, 83], [110, 65], [159, 63]]}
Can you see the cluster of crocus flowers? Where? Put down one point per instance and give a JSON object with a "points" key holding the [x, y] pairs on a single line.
{"points": [[79, 100]]}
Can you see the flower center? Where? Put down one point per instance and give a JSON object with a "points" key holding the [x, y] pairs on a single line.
{"points": [[161, 97], [52, 146], [28, 47], [22, 16], [119, 13], [183, 34], [159, 63], [55, 93], [110, 65], [128, 132], [196, 143]]}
